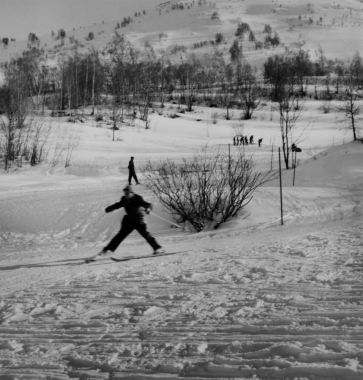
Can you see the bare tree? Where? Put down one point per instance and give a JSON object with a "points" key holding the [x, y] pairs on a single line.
{"points": [[115, 63], [209, 188], [289, 108], [23, 136], [15, 106], [225, 78], [37, 142], [65, 142], [248, 90], [189, 75], [147, 83], [72, 141], [351, 108]]}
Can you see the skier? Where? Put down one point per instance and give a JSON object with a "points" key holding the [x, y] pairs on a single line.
{"points": [[234, 141], [259, 142], [246, 140], [242, 141], [135, 208], [251, 139], [132, 173]]}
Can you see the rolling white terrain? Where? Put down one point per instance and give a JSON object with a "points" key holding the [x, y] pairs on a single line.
{"points": [[251, 300]]}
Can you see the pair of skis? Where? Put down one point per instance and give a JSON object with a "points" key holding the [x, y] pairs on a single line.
{"points": [[93, 258]]}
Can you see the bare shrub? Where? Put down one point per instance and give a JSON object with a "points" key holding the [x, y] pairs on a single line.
{"points": [[71, 144], [25, 142], [36, 144], [207, 189], [65, 142]]}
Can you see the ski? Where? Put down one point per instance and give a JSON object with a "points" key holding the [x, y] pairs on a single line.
{"points": [[93, 258], [146, 256]]}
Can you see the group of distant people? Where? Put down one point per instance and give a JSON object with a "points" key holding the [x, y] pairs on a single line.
{"points": [[243, 140]]}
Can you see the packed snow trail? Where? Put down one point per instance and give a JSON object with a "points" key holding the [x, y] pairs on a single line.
{"points": [[234, 308]]}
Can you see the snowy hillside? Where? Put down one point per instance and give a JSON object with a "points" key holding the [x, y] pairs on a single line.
{"points": [[251, 300], [319, 24]]}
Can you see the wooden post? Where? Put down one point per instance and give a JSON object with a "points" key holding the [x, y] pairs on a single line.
{"points": [[282, 215]]}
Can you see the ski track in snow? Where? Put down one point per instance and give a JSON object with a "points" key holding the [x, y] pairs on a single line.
{"points": [[286, 308]]}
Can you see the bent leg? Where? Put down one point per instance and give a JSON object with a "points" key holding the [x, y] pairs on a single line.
{"points": [[126, 229], [142, 230]]}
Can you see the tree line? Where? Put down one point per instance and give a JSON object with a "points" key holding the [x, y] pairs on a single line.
{"points": [[126, 81]]}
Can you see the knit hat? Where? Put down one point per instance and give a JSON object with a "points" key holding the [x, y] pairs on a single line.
{"points": [[129, 189]]}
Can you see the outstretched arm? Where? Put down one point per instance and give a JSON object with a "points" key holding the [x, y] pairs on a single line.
{"points": [[115, 206]]}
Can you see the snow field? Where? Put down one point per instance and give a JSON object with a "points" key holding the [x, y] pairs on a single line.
{"points": [[251, 300], [233, 310]]}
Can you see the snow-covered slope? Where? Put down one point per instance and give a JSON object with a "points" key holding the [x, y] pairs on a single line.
{"points": [[252, 300]]}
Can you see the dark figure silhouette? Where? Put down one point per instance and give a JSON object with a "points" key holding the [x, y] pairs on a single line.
{"points": [[251, 139], [135, 208], [259, 142], [246, 140], [234, 141], [132, 173], [242, 141]]}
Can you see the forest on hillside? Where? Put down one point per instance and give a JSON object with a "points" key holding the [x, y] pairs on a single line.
{"points": [[126, 83]]}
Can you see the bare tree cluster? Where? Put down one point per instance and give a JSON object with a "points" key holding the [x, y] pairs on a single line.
{"points": [[286, 77], [126, 81], [23, 136], [208, 189]]}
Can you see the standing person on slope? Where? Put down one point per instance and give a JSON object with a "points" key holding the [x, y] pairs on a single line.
{"points": [[132, 173], [135, 208]]}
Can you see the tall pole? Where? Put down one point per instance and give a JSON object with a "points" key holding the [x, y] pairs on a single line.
{"points": [[272, 154], [282, 215], [229, 158], [293, 181]]}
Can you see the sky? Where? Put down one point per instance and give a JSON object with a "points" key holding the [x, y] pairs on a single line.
{"points": [[20, 17]]}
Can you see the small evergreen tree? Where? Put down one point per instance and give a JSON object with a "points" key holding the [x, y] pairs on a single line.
{"points": [[235, 51], [219, 38], [90, 36], [61, 34], [267, 29]]}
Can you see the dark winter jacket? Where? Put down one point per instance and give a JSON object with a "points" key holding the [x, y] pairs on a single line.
{"points": [[135, 207], [131, 166]]}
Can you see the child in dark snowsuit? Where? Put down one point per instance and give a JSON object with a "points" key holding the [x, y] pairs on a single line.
{"points": [[135, 208]]}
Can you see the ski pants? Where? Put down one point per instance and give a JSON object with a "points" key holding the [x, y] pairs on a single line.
{"points": [[127, 226], [132, 174]]}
